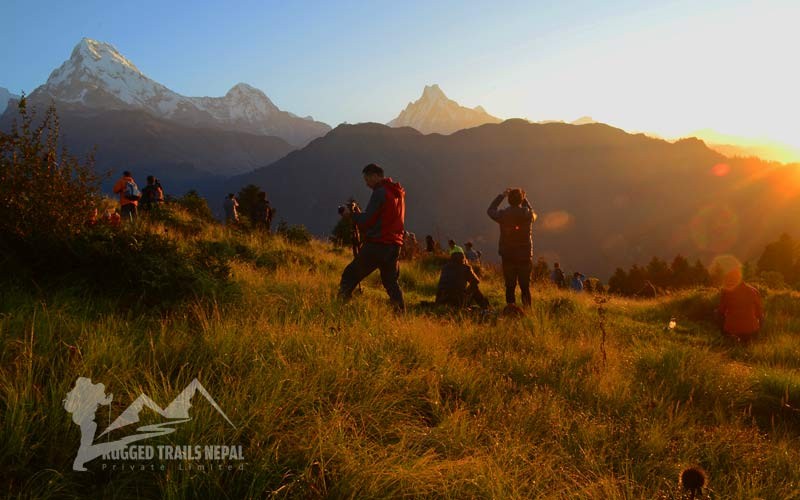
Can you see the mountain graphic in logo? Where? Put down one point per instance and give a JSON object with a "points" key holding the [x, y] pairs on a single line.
{"points": [[86, 397], [177, 409]]}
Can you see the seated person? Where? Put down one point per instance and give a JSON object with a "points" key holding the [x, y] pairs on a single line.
{"points": [[740, 307], [458, 284], [471, 254]]}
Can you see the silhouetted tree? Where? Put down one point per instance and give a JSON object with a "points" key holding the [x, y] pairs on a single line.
{"points": [[44, 192], [196, 205], [779, 256], [700, 275], [680, 273], [658, 272], [618, 283], [248, 198], [636, 279]]}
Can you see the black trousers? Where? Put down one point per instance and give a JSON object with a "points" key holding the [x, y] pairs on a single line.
{"points": [[128, 211], [374, 256], [518, 271]]}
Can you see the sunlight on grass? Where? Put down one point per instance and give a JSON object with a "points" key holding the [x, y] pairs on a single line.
{"points": [[333, 400]]}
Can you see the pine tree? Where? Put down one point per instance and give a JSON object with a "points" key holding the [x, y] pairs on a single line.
{"points": [[779, 256], [700, 275], [658, 272], [618, 283], [681, 272]]}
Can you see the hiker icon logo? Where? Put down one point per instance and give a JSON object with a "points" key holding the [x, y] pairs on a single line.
{"points": [[83, 401]]}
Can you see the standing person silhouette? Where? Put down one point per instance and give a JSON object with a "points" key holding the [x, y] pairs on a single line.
{"points": [[382, 230], [516, 243]]}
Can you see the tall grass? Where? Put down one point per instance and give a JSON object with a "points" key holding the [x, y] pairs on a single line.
{"points": [[353, 401]]}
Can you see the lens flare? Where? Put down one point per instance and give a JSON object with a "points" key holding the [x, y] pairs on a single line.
{"points": [[726, 270], [721, 169], [557, 221]]}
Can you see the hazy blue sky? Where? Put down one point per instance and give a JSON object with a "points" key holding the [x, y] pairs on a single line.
{"points": [[664, 66]]}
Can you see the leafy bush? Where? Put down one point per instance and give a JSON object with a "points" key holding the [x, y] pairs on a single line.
{"points": [[134, 264], [297, 234], [196, 205], [44, 192]]}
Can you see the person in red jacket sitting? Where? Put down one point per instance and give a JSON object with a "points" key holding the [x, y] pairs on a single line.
{"points": [[740, 307], [382, 230]]}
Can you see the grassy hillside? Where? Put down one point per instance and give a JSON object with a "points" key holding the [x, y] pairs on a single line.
{"points": [[353, 401]]}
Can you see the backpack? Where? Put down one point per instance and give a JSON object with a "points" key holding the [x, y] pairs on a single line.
{"points": [[131, 191]]}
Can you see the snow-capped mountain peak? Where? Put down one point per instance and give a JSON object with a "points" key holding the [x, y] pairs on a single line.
{"points": [[434, 112], [97, 77], [244, 89], [433, 93], [102, 54]]}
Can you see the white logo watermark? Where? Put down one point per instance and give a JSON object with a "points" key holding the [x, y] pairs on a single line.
{"points": [[86, 397]]}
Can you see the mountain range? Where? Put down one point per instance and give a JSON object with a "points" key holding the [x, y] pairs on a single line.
{"points": [[136, 123], [98, 77], [177, 409], [731, 145], [605, 198]]}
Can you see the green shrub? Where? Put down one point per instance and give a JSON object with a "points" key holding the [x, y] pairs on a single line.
{"points": [[45, 193], [196, 205], [297, 234], [134, 264]]}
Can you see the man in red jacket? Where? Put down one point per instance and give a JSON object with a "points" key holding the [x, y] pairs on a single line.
{"points": [[382, 230]]}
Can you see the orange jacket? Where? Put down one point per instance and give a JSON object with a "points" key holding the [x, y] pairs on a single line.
{"points": [[741, 309], [119, 188]]}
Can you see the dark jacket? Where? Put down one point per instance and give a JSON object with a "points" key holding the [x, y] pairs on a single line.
{"points": [[516, 223], [149, 195], [262, 212], [383, 220], [453, 283]]}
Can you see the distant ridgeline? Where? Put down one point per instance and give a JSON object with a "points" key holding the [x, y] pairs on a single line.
{"points": [[605, 198]]}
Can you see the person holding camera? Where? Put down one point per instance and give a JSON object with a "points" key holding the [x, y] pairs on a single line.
{"points": [[382, 229], [516, 244]]}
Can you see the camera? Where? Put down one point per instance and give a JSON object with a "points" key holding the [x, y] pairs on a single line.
{"points": [[352, 205]]}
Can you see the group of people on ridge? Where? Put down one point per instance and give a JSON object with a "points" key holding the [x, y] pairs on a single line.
{"points": [[261, 213], [382, 229], [131, 197], [382, 226]]}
